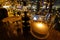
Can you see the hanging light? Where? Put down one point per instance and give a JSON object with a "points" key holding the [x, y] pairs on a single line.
{"points": [[39, 28]]}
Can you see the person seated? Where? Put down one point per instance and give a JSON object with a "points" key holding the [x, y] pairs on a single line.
{"points": [[3, 14]]}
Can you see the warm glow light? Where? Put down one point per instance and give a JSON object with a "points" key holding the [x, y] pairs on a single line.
{"points": [[6, 6], [40, 25]]}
